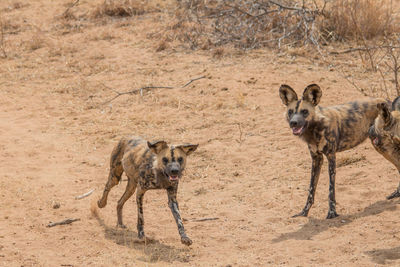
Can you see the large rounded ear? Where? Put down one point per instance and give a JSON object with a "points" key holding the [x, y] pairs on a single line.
{"points": [[287, 94], [187, 148], [396, 104], [312, 94], [157, 146], [385, 114]]}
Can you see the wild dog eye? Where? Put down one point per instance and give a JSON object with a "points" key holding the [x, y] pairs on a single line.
{"points": [[304, 112], [290, 112], [180, 160], [165, 160]]}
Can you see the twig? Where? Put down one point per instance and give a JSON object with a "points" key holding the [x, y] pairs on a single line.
{"points": [[67, 221], [192, 80], [356, 49], [241, 133], [2, 40], [205, 219], [71, 6], [85, 195], [135, 91], [148, 88]]}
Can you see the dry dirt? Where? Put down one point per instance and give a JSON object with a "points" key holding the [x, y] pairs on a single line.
{"points": [[249, 171]]}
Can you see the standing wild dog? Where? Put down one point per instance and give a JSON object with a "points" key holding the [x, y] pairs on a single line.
{"points": [[385, 136], [326, 130], [148, 166]]}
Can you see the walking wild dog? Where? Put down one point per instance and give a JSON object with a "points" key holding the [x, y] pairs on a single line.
{"points": [[326, 130], [148, 166], [385, 136]]}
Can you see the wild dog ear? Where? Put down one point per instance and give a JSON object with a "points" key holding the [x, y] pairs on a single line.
{"points": [[384, 112], [287, 94], [312, 94], [157, 146], [396, 104], [187, 148]]}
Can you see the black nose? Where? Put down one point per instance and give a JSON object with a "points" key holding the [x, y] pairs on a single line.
{"points": [[174, 171], [293, 124]]}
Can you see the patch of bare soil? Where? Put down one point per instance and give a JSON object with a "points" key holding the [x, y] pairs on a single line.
{"points": [[56, 136]]}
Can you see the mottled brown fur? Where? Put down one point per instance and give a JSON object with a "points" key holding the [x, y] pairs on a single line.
{"points": [[385, 136], [148, 166], [326, 130]]}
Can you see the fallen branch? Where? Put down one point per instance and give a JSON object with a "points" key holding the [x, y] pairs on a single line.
{"points": [[192, 80], [67, 221], [147, 88], [205, 219], [85, 195], [356, 49]]}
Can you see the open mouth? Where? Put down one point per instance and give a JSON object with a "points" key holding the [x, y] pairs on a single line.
{"points": [[173, 178], [298, 130]]}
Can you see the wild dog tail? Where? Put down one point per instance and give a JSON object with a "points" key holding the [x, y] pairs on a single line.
{"points": [[396, 104]]}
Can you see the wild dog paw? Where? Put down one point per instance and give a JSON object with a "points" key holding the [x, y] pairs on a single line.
{"points": [[332, 214], [303, 213], [394, 195], [101, 203], [140, 234], [121, 225], [186, 241]]}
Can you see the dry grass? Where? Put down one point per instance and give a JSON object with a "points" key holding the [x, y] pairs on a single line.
{"points": [[251, 24], [120, 8], [355, 19]]}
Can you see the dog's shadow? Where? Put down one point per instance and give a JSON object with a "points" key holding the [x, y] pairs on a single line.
{"points": [[315, 226], [380, 256], [153, 250]]}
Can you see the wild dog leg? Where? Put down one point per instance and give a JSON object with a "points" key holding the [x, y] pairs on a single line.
{"points": [[139, 201], [173, 205], [395, 193], [113, 179], [317, 160], [332, 173], [130, 189]]}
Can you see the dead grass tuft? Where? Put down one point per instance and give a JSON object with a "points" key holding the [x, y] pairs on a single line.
{"points": [[36, 41], [162, 46], [119, 8], [355, 19], [218, 52]]}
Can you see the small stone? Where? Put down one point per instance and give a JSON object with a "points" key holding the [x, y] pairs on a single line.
{"points": [[56, 205]]}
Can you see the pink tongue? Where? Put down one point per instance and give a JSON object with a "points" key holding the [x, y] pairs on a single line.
{"points": [[297, 130], [376, 141], [173, 178]]}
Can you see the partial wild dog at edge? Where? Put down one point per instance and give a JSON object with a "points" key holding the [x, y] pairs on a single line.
{"points": [[155, 165], [385, 136], [326, 130]]}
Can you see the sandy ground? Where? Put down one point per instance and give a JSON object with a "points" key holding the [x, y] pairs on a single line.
{"points": [[249, 171]]}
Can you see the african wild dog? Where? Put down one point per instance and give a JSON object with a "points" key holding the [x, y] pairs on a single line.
{"points": [[385, 136], [148, 166], [326, 130]]}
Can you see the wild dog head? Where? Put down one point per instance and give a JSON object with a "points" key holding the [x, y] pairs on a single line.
{"points": [[170, 159], [300, 112], [386, 124]]}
